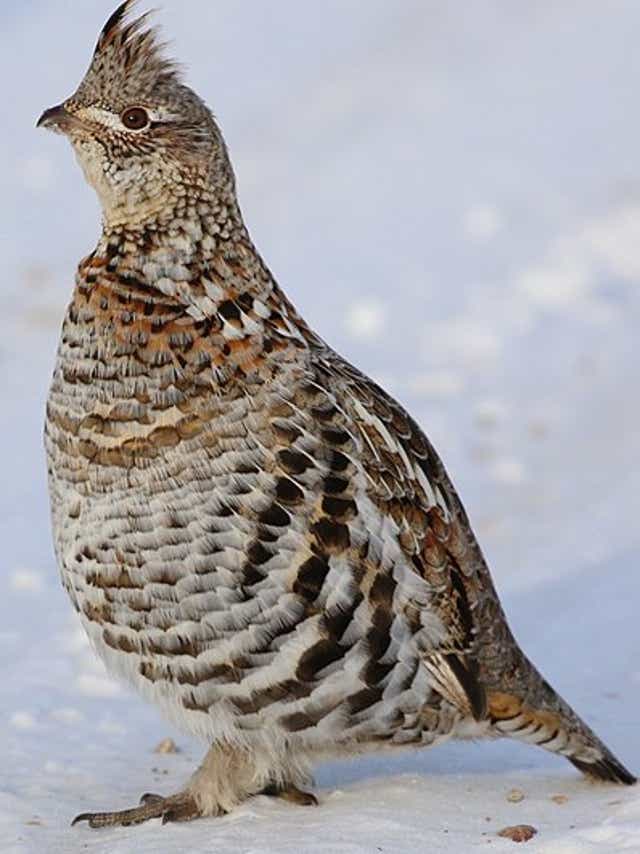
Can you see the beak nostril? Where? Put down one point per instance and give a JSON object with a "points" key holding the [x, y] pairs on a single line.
{"points": [[52, 117]]}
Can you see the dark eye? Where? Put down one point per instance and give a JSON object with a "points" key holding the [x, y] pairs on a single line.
{"points": [[135, 118]]}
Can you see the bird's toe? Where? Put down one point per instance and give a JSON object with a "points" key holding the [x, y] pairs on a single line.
{"points": [[180, 807]]}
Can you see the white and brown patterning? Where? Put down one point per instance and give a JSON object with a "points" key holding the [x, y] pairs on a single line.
{"points": [[254, 535]]}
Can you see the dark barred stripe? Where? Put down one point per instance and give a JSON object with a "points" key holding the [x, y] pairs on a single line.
{"points": [[363, 699], [316, 658], [332, 536], [311, 576]]}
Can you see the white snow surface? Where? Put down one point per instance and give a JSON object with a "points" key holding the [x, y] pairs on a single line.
{"points": [[451, 194]]}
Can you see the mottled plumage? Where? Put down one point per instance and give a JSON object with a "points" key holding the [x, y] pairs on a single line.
{"points": [[253, 533]]}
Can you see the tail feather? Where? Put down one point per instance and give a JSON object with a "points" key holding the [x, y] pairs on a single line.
{"points": [[549, 722], [608, 768]]}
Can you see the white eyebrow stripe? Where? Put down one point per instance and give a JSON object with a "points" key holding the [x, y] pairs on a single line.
{"points": [[100, 116], [112, 120]]}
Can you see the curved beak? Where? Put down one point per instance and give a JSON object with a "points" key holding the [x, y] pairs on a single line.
{"points": [[55, 118]]}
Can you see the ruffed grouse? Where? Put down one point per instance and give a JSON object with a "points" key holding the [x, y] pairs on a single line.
{"points": [[254, 534]]}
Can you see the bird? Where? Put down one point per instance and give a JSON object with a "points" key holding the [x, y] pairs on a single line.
{"points": [[255, 535]]}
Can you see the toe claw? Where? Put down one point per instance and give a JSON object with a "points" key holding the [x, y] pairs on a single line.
{"points": [[302, 799], [181, 811], [150, 798], [292, 794]]}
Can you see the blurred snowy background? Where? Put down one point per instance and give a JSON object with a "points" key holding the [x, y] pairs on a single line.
{"points": [[450, 192]]}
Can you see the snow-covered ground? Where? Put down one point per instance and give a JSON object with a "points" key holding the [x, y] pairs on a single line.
{"points": [[451, 193]]}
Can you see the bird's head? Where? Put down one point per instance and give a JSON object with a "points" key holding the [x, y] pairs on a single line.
{"points": [[140, 135]]}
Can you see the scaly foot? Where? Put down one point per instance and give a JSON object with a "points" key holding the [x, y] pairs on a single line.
{"points": [[180, 807]]}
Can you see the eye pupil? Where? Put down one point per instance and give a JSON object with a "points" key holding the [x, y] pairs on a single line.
{"points": [[135, 118]]}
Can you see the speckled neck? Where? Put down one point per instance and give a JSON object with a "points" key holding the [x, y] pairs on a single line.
{"points": [[176, 244]]}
